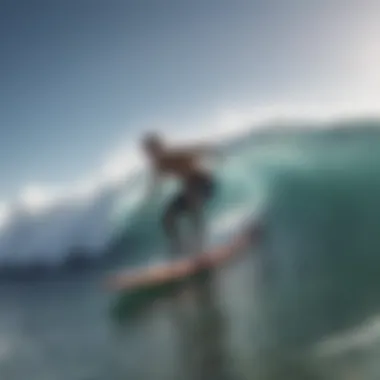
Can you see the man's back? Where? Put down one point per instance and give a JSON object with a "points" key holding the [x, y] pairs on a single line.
{"points": [[180, 163]]}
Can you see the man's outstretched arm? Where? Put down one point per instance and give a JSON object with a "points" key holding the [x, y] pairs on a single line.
{"points": [[204, 150]]}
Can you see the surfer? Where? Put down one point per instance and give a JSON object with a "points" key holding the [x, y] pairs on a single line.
{"points": [[198, 185]]}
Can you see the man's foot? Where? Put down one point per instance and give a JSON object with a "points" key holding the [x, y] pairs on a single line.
{"points": [[202, 262]]}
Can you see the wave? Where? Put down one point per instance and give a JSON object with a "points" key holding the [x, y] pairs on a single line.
{"points": [[262, 170], [321, 257]]}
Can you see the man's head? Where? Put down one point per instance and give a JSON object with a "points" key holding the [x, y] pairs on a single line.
{"points": [[152, 144]]}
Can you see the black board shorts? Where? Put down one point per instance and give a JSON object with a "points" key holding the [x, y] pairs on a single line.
{"points": [[202, 185]]}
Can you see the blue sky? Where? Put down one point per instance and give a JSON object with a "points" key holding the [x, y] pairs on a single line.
{"points": [[80, 77]]}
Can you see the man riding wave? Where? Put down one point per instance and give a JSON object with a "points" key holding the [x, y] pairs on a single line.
{"points": [[198, 185]]}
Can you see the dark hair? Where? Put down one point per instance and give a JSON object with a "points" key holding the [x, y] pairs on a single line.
{"points": [[152, 140]]}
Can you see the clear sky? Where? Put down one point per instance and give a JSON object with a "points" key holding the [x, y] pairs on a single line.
{"points": [[80, 77]]}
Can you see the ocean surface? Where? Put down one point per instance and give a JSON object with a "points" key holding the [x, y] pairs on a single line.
{"points": [[303, 304]]}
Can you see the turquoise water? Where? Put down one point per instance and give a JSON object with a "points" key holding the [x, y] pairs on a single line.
{"points": [[302, 305]]}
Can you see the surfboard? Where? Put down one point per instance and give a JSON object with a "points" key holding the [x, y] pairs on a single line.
{"points": [[180, 269], [138, 289]]}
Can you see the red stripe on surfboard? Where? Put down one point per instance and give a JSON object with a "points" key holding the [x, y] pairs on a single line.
{"points": [[181, 268]]}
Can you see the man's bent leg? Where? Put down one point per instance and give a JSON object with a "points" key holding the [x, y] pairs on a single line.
{"points": [[198, 194], [171, 226]]}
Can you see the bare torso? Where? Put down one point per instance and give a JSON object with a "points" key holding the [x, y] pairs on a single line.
{"points": [[181, 164]]}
